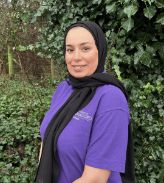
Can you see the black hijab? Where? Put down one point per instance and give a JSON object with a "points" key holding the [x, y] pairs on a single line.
{"points": [[85, 88]]}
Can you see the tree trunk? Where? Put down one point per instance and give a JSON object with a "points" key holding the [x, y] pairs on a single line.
{"points": [[10, 61], [52, 68]]}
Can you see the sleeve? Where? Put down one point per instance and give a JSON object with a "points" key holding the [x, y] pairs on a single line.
{"points": [[56, 94], [50, 113], [108, 141]]}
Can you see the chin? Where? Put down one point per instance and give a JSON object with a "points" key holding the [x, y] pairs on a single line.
{"points": [[78, 75]]}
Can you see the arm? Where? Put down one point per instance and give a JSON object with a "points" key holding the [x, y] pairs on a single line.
{"points": [[93, 175], [40, 152]]}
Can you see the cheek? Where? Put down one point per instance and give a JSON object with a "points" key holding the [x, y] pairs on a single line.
{"points": [[67, 59], [95, 58]]}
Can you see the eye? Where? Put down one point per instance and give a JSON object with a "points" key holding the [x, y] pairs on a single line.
{"points": [[69, 50], [85, 48]]}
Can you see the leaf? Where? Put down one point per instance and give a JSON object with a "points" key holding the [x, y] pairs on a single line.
{"points": [[47, 15], [150, 50], [150, 11], [122, 52], [139, 47], [117, 70], [50, 37], [95, 14], [147, 103], [113, 50], [107, 1], [79, 3], [159, 88], [127, 24], [111, 8], [121, 13], [24, 162], [33, 19], [127, 59], [96, 1], [160, 19], [22, 48], [137, 56], [114, 59], [143, 37], [107, 33], [41, 10], [60, 17], [6, 179], [145, 58], [161, 35], [122, 33], [161, 52], [130, 10], [156, 45], [159, 3], [40, 54], [101, 21]]}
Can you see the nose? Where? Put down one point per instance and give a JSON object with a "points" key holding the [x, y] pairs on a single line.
{"points": [[77, 55]]}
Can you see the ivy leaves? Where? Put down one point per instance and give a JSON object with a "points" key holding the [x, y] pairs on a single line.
{"points": [[150, 11], [127, 24], [125, 11], [160, 18], [160, 47], [130, 10], [111, 8], [96, 1], [161, 52], [18, 163], [159, 3], [145, 58]]}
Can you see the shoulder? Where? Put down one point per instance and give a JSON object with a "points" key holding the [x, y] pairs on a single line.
{"points": [[62, 86], [111, 98], [112, 92], [60, 89]]}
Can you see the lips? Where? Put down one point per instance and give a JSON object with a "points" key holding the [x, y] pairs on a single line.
{"points": [[78, 66]]}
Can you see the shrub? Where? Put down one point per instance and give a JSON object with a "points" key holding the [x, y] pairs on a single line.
{"points": [[21, 112]]}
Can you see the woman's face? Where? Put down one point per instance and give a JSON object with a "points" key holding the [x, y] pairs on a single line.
{"points": [[81, 52]]}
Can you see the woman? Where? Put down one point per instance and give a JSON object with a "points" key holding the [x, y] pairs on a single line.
{"points": [[86, 133]]}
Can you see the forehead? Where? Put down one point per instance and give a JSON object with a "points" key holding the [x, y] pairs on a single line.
{"points": [[78, 34]]}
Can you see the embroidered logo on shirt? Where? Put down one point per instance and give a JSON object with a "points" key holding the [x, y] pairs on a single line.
{"points": [[82, 115]]}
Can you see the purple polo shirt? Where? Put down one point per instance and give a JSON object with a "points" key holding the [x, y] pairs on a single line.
{"points": [[96, 136]]}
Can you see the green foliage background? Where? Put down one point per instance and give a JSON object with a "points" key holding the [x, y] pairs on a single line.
{"points": [[21, 112], [134, 32]]}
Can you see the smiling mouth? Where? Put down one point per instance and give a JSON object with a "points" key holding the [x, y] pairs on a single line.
{"points": [[79, 66]]}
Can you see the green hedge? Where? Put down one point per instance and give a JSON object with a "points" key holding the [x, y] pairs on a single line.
{"points": [[135, 34], [21, 112]]}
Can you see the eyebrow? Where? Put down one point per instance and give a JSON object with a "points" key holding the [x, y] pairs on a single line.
{"points": [[80, 44]]}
